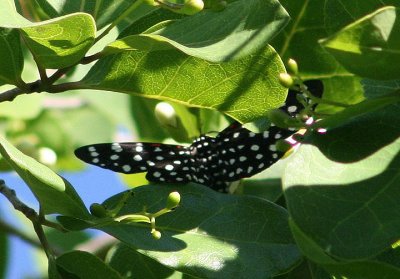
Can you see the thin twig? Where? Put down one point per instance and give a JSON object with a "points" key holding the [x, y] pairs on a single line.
{"points": [[18, 205], [58, 74], [11, 94], [61, 72], [14, 231], [26, 210], [36, 219]]}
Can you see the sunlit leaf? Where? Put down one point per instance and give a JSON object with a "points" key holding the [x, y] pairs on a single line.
{"points": [[54, 193], [244, 89], [369, 47], [60, 42]]}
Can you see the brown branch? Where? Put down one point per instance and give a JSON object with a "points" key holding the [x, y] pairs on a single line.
{"points": [[36, 219], [11, 94], [18, 205], [26, 210]]}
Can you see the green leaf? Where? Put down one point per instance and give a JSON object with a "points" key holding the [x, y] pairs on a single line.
{"points": [[244, 89], [53, 192], [348, 209], [52, 270], [67, 241], [4, 253], [360, 130], [144, 109], [267, 184], [365, 270], [369, 47], [244, 27], [105, 12], [11, 59], [308, 247], [210, 234], [391, 256], [75, 224], [302, 271], [79, 264], [378, 88], [127, 261], [338, 14], [346, 90], [60, 42], [300, 41]]}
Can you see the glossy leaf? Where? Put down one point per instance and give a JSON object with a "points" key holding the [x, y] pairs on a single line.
{"points": [[299, 40], [60, 42], [369, 47], [67, 241], [365, 269], [346, 90], [54, 193], [359, 131], [267, 184], [199, 233], [79, 264], [105, 12], [378, 88], [339, 13], [242, 28], [209, 234], [12, 61], [369, 269], [244, 89], [4, 253], [335, 203], [132, 264]]}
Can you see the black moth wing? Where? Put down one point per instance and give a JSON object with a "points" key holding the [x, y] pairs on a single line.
{"points": [[172, 166], [131, 157], [243, 153]]}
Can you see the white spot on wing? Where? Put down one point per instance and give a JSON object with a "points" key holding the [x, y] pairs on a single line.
{"points": [[169, 167], [114, 157], [255, 147], [126, 168], [139, 148], [292, 109]]}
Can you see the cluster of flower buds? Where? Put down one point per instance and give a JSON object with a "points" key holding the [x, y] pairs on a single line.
{"points": [[111, 214]]}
